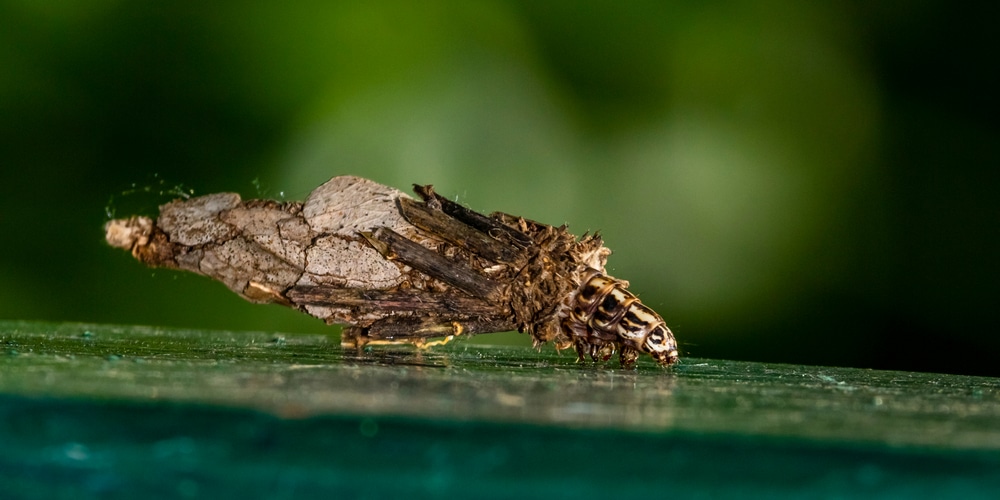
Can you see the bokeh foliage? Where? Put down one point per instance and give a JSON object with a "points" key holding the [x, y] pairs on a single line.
{"points": [[811, 182]]}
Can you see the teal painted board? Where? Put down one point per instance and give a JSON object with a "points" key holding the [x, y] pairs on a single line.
{"points": [[104, 411]]}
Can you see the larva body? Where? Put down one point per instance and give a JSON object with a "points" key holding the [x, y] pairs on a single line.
{"points": [[604, 315]]}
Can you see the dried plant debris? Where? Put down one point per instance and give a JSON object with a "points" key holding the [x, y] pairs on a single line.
{"points": [[400, 270]]}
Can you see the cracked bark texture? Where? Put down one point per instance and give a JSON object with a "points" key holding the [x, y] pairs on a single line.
{"points": [[262, 248]]}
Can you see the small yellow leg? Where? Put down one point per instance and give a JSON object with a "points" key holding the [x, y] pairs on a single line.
{"points": [[456, 328], [423, 344], [355, 340]]}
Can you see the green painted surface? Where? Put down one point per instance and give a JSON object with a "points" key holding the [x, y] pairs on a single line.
{"points": [[112, 411]]}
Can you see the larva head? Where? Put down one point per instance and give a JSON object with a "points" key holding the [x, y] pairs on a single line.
{"points": [[661, 345], [647, 332]]}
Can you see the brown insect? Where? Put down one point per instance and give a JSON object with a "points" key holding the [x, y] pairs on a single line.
{"points": [[398, 270]]}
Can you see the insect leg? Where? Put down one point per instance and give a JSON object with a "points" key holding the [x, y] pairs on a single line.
{"points": [[628, 356]]}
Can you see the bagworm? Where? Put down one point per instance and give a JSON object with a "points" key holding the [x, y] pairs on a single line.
{"points": [[395, 269]]}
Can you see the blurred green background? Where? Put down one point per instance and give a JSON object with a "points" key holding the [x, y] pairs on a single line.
{"points": [[806, 182]]}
